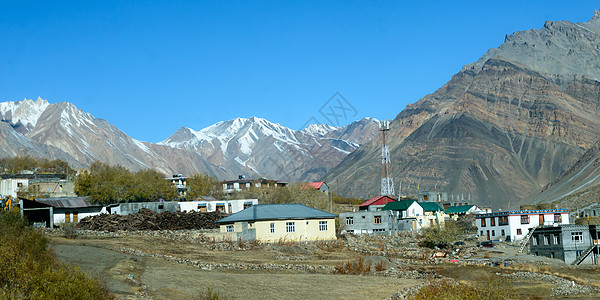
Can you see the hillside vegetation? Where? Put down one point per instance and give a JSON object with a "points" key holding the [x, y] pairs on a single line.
{"points": [[28, 270]]}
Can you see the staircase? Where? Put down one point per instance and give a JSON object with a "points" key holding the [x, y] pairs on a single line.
{"points": [[583, 255], [526, 240]]}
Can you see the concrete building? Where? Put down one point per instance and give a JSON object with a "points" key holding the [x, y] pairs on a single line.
{"points": [[368, 222], [226, 206], [279, 222], [52, 187], [574, 244], [10, 186], [394, 216], [134, 207], [230, 186], [318, 185], [179, 183], [444, 199], [514, 225]]}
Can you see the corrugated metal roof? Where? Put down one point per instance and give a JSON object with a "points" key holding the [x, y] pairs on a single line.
{"points": [[67, 202], [398, 205], [458, 209], [430, 206], [379, 200], [276, 212]]}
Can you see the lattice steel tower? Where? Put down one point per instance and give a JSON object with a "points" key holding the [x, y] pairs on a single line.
{"points": [[387, 182]]}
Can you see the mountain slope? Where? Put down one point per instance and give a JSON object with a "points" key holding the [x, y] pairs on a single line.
{"points": [[257, 147], [499, 129]]}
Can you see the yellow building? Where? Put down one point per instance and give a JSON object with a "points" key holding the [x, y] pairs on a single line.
{"points": [[279, 222]]}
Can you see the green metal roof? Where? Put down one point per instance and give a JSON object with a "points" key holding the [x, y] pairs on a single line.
{"points": [[261, 212], [430, 206], [458, 209], [398, 205]]}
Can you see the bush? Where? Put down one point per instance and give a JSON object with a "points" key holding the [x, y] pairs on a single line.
{"points": [[354, 267], [441, 236], [494, 288], [211, 294], [28, 270]]}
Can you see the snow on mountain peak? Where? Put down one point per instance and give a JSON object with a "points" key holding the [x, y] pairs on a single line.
{"points": [[27, 111], [319, 130]]}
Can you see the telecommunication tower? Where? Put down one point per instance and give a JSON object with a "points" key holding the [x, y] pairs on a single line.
{"points": [[387, 182]]}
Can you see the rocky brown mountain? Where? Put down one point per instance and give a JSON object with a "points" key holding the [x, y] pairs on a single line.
{"points": [[501, 128]]}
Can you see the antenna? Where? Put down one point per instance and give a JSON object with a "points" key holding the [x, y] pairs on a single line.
{"points": [[387, 182]]}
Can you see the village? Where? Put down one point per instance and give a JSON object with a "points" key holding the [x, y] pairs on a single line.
{"points": [[383, 236]]}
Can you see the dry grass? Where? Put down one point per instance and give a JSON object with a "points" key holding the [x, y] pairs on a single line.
{"points": [[354, 267], [495, 288]]}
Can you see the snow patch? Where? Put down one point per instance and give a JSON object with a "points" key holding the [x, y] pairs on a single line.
{"points": [[27, 111]]}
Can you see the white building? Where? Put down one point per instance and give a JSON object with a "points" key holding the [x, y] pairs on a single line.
{"points": [[10, 186], [226, 206], [515, 225]]}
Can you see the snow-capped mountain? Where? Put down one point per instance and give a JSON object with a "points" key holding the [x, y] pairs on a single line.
{"points": [[252, 146], [63, 131], [257, 147]]}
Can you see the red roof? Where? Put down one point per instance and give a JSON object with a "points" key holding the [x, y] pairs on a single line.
{"points": [[315, 185], [379, 200]]}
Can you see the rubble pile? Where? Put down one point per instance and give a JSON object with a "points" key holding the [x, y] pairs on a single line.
{"points": [[147, 219]]}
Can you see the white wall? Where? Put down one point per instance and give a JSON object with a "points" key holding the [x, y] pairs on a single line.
{"points": [[514, 224], [60, 217], [236, 205], [9, 187]]}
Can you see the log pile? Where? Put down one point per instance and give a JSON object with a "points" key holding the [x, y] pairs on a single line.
{"points": [[147, 219]]}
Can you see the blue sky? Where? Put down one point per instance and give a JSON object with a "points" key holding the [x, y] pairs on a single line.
{"points": [[151, 67]]}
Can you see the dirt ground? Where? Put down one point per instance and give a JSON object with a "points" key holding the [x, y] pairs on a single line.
{"points": [[150, 269], [133, 277]]}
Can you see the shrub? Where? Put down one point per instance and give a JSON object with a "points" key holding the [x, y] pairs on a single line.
{"points": [[28, 270], [211, 294], [495, 288], [354, 267]]}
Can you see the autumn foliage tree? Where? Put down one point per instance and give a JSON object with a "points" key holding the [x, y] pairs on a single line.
{"points": [[107, 184]]}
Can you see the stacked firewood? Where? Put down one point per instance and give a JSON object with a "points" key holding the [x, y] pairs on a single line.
{"points": [[147, 219]]}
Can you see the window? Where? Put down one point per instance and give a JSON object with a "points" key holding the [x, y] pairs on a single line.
{"points": [[349, 220], [377, 219], [19, 184], [503, 233], [161, 206], [379, 230], [557, 218], [577, 237], [424, 198], [492, 221], [525, 219], [578, 253], [290, 227], [230, 186], [535, 240], [350, 231], [221, 207], [482, 222], [546, 240], [519, 231], [556, 240], [272, 227], [503, 220], [247, 204], [229, 228], [202, 207], [481, 234], [493, 232], [322, 225]]}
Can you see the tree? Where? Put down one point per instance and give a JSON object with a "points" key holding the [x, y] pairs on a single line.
{"points": [[441, 235], [203, 185]]}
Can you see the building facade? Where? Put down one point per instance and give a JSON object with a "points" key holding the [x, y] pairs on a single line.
{"points": [[571, 243], [230, 186], [515, 225], [225, 206], [279, 222], [368, 222]]}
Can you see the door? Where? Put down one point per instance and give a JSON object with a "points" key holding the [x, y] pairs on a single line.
{"points": [[75, 218], [430, 222], [67, 217], [229, 207], [541, 219], [488, 235]]}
